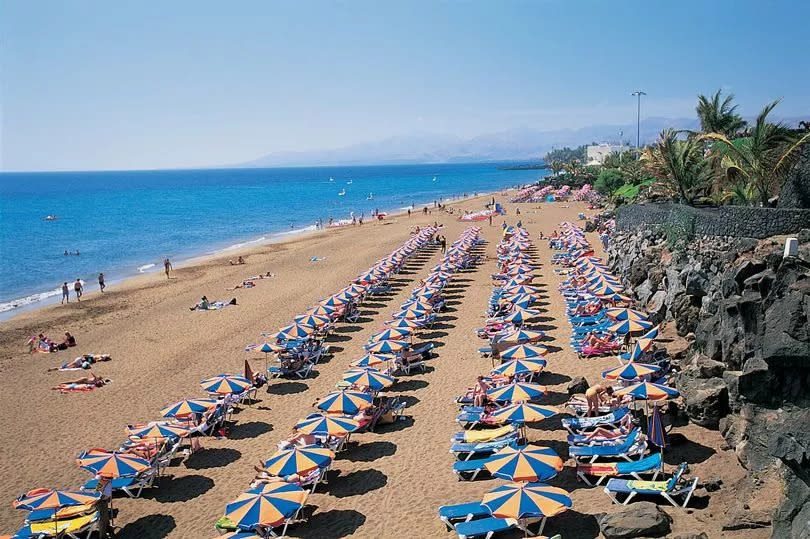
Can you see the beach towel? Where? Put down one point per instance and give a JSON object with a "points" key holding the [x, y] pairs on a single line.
{"points": [[317, 258]]}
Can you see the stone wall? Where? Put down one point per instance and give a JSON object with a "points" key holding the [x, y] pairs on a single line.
{"points": [[735, 221]]}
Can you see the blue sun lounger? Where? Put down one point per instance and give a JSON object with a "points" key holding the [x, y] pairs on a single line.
{"points": [[575, 424], [131, 486], [650, 464], [488, 527], [450, 514], [634, 444], [668, 489], [583, 439], [483, 448]]}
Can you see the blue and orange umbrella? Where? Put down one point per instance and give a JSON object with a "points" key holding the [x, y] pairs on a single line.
{"points": [[529, 463], [386, 347], [648, 391], [523, 412], [268, 505], [630, 371], [370, 360], [225, 383], [294, 332], [344, 402], [625, 313], [521, 315], [411, 313], [403, 323], [522, 336], [321, 425], [524, 351], [322, 310], [391, 334], [298, 460], [111, 465], [368, 377], [516, 391], [630, 326], [520, 366], [159, 431], [520, 500], [334, 301], [521, 289], [188, 406], [312, 320], [35, 500]]}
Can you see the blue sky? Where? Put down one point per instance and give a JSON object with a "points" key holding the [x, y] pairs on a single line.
{"points": [[117, 85]]}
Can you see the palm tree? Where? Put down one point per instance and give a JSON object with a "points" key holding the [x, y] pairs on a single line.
{"points": [[556, 167], [680, 164], [719, 116], [764, 157]]}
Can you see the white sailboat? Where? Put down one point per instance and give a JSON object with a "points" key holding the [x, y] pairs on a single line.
{"points": [[331, 179], [349, 182], [434, 178], [370, 196], [342, 192]]}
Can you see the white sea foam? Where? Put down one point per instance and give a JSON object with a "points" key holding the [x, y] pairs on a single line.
{"points": [[145, 268], [245, 244]]}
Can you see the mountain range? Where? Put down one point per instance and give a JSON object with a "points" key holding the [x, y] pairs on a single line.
{"points": [[518, 144]]}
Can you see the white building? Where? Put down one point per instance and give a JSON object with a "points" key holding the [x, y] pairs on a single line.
{"points": [[596, 154]]}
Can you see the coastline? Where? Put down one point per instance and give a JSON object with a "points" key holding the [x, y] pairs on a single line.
{"points": [[207, 253]]}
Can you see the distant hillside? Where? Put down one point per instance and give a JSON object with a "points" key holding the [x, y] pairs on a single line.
{"points": [[520, 144]]}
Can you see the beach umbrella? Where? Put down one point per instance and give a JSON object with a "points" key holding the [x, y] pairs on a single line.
{"points": [[630, 371], [344, 402], [519, 500], [268, 505], [522, 336], [225, 383], [521, 289], [524, 351], [520, 366], [417, 304], [334, 301], [386, 347], [639, 347], [521, 315], [629, 326], [188, 406], [298, 460], [346, 296], [616, 297], [322, 310], [294, 332], [523, 413], [625, 313], [391, 334], [112, 465], [403, 323], [530, 463], [267, 348], [411, 313], [369, 360], [35, 500], [516, 391], [159, 432], [312, 320], [606, 288], [370, 378], [320, 425], [651, 334], [522, 301], [648, 391]]}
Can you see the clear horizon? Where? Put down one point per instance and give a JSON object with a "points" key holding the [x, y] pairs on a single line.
{"points": [[99, 86]]}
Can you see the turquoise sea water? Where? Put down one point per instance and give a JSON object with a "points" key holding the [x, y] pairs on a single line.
{"points": [[123, 223]]}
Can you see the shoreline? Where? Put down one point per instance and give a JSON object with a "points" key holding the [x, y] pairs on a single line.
{"points": [[241, 246]]}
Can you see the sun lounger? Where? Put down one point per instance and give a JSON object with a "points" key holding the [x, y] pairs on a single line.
{"points": [[81, 526], [580, 406], [482, 448], [668, 489], [131, 486], [450, 514], [282, 372], [634, 444], [489, 527], [650, 464], [585, 439], [576, 424], [483, 435]]}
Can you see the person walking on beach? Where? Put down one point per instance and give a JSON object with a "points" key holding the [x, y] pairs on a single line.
{"points": [[101, 284], [167, 266], [65, 292], [409, 213], [490, 219], [78, 288], [444, 244]]}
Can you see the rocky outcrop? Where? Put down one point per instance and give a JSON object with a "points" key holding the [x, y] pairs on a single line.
{"points": [[642, 519], [795, 192]]}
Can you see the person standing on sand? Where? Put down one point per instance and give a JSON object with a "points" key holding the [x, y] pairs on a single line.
{"points": [[409, 213], [167, 266], [490, 219], [65, 293], [77, 287], [101, 284], [444, 244]]}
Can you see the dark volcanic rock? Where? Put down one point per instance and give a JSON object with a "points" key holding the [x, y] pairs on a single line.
{"points": [[578, 385], [642, 519], [742, 519], [787, 337], [706, 400]]}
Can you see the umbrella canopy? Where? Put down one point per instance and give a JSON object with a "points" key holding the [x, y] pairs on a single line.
{"points": [[344, 402], [294, 332], [524, 351], [648, 391], [411, 313], [112, 465], [651, 334], [225, 383], [402, 323], [188, 406], [268, 505], [324, 310], [54, 499], [370, 378], [516, 391], [335, 301], [522, 336], [523, 413], [369, 360], [625, 313], [391, 334], [639, 347], [519, 500], [615, 297], [530, 463], [521, 315], [630, 371], [266, 348], [312, 320], [655, 428], [520, 366], [417, 304], [298, 460], [629, 326], [327, 426], [386, 347], [159, 431], [521, 289]]}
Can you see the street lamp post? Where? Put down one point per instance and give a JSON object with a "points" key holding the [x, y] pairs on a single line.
{"points": [[638, 94]]}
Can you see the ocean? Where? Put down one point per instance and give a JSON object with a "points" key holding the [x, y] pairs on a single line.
{"points": [[125, 223]]}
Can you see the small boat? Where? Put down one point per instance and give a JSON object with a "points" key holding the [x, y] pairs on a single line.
{"points": [[370, 196], [349, 182], [331, 179], [51, 218], [434, 178], [342, 192]]}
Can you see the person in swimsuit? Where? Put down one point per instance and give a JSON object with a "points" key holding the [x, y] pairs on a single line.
{"points": [[596, 395], [167, 266]]}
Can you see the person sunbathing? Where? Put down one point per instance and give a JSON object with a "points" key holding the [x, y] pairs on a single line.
{"points": [[91, 380], [624, 427], [479, 393], [594, 341], [297, 439], [82, 362], [589, 309]]}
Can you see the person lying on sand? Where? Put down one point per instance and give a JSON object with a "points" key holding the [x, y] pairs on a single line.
{"points": [[238, 261], [82, 362], [244, 284], [91, 380]]}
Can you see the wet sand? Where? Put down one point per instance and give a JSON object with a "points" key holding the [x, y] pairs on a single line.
{"points": [[387, 484]]}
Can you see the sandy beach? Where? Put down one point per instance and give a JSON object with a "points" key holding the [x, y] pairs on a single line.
{"points": [[387, 484]]}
